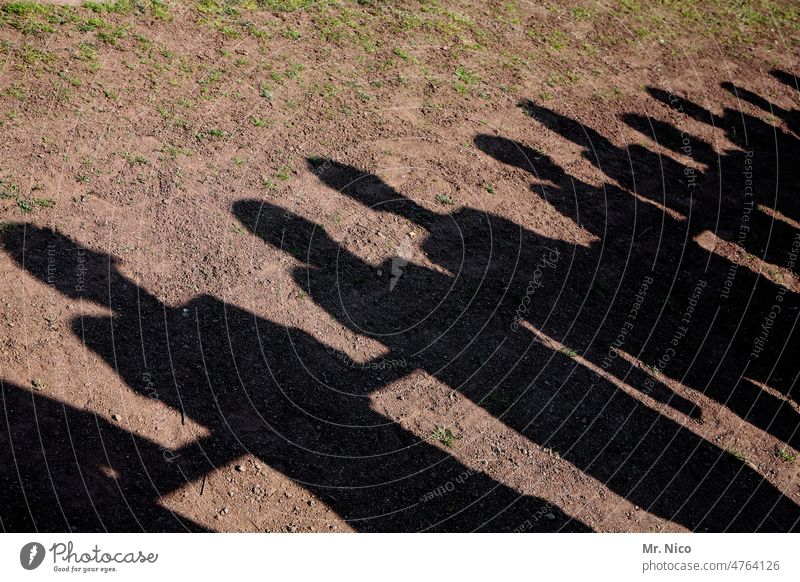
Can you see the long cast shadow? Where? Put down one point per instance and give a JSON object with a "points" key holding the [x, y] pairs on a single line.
{"points": [[262, 389], [742, 310], [67, 470], [460, 334]]}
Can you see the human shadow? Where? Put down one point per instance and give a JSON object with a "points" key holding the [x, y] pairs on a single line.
{"points": [[460, 324], [727, 323], [67, 470], [258, 388]]}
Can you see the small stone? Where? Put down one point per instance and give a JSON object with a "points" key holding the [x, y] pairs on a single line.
{"points": [[550, 516], [241, 468], [116, 417]]}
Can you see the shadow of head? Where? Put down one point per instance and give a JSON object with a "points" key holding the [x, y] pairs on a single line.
{"points": [[286, 231], [786, 78], [369, 190], [514, 153], [74, 270]]}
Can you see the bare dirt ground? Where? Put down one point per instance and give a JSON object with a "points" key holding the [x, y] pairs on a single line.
{"points": [[399, 266]]}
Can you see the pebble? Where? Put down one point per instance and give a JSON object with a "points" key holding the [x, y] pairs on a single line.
{"points": [[116, 417]]}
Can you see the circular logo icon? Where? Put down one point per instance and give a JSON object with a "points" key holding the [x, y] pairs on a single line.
{"points": [[31, 555]]}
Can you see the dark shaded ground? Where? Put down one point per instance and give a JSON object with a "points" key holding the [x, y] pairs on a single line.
{"points": [[311, 418]]}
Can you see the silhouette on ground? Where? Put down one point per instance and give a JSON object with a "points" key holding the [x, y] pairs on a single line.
{"points": [[69, 470], [726, 325], [487, 321], [258, 388], [458, 327]]}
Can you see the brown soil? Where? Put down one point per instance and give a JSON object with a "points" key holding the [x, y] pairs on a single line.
{"points": [[399, 267]]}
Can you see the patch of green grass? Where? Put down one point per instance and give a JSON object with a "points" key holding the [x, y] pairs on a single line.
{"points": [[581, 13], [17, 91], [86, 52], [23, 8], [444, 200], [213, 76], [134, 159], [569, 352], [466, 76], [116, 7], [238, 229], [210, 133], [293, 70], [445, 436], [258, 122], [91, 23], [112, 36], [109, 93], [286, 5], [30, 17], [26, 206], [44, 202], [557, 78], [785, 455], [8, 190], [284, 173], [489, 188], [160, 10], [556, 40], [74, 81], [402, 54], [464, 80], [31, 55]]}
